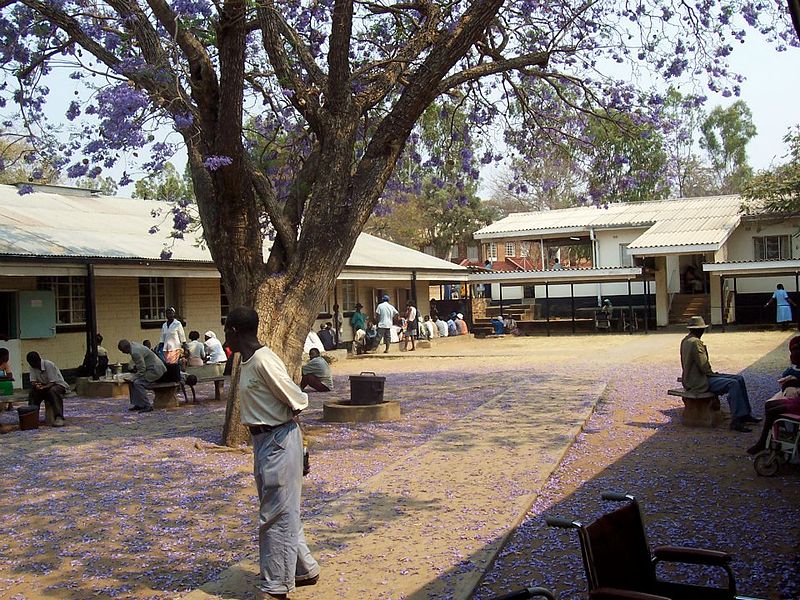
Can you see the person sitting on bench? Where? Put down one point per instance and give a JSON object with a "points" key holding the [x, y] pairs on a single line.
{"points": [[147, 368], [316, 373], [48, 385], [5, 367], [698, 376]]}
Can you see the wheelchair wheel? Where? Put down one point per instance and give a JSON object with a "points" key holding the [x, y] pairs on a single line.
{"points": [[766, 463]]}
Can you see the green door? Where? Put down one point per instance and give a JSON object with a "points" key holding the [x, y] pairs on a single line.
{"points": [[37, 315]]}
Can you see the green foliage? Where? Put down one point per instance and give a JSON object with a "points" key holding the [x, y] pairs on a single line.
{"points": [[165, 186], [725, 135], [106, 185], [627, 160], [432, 206], [22, 165], [777, 189]]}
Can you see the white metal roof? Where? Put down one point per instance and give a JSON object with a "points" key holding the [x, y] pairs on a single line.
{"points": [[44, 224], [669, 225]]}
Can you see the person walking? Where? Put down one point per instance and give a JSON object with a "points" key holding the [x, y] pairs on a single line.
{"points": [[385, 314], [783, 312], [269, 402], [412, 324]]}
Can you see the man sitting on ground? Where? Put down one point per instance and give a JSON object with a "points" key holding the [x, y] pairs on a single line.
{"points": [[316, 373], [452, 328], [441, 325], [147, 368], [430, 328], [698, 376], [48, 385]]}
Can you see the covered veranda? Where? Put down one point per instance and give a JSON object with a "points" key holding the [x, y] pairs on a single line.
{"points": [[571, 278], [734, 270]]}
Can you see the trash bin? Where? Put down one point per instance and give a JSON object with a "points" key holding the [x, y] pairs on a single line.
{"points": [[28, 417], [366, 388]]}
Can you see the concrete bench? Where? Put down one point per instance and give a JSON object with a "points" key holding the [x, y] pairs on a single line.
{"points": [[699, 409], [166, 394], [101, 388], [219, 385], [21, 397]]}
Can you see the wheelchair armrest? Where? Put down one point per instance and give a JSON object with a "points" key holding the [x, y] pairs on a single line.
{"points": [[617, 594], [526, 593], [694, 556]]}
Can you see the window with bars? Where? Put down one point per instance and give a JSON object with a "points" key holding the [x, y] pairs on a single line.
{"points": [[224, 304], [772, 247], [70, 298], [152, 299], [511, 249], [348, 296], [491, 251]]}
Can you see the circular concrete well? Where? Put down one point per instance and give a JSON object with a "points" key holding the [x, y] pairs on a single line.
{"points": [[336, 412]]}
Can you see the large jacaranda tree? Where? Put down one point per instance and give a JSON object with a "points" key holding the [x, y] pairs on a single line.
{"points": [[333, 89]]}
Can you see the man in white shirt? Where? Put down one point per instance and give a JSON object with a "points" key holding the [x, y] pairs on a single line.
{"points": [[269, 401], [430, 328], [48, 385], [385, 314]]}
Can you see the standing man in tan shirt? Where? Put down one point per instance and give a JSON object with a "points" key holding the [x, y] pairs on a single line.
{"points": [[269, 400]]}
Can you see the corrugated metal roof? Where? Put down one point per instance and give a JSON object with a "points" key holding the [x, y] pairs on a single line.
{"points": [[681, 222], [49, 224]]}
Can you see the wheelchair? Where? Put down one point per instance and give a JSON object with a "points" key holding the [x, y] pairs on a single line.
{"points": [[783, 445], [619, 563]]}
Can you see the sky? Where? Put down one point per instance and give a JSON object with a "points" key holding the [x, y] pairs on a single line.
{"points": [[771, 90]]}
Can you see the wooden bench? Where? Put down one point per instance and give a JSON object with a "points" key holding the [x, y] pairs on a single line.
{"points": [[699, 409]]}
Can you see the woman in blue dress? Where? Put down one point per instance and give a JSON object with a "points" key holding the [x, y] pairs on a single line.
{"points": [[783, 314]]}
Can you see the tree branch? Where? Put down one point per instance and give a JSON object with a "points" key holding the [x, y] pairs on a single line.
{"points": [[338, 95], [304, 98], [519, 63]]}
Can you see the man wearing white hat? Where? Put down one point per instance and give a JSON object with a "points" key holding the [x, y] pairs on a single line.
{"points": [[698, 376]]}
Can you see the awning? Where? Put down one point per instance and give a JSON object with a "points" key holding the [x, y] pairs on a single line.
{"points": [[761, 268], [560, 276]]}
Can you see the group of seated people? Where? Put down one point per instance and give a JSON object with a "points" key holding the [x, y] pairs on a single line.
{"points": [[503, 325]]}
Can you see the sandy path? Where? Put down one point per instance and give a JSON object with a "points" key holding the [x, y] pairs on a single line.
{"points": [[119, 506]]}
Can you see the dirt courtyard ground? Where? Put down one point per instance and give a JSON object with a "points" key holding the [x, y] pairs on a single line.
{"points": [[119, 505]]}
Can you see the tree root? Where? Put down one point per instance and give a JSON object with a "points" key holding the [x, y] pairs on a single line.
{"points": [[218, 448]]}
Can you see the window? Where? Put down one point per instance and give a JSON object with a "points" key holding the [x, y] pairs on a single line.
{"points": [[70, 297], [224, 304], [348, 295], [152, 299], [625, 259], [511, 249], [492, 251], [472, 253], [772, 247]]}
